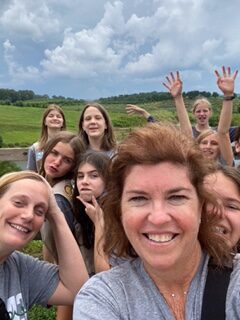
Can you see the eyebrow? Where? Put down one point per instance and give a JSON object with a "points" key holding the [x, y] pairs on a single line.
{"points": [[175, 190], [91, 171]]}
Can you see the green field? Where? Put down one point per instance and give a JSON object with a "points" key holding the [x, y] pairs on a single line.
{"points": [[20, 126]]}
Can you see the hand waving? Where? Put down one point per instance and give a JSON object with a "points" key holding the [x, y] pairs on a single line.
{"points": [[174, 84], [226, 81]]}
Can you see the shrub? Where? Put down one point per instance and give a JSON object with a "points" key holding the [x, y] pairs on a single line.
{"points": [[8, 166]]}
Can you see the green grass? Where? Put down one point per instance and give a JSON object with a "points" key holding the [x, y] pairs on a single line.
{"points": [[20, 126]]}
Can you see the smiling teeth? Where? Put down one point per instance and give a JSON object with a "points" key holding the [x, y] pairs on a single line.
{"points": [[160, 237], [220, 230], [15, 226]]}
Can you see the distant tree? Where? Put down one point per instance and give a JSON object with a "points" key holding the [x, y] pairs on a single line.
{"points": [[215, 94]]}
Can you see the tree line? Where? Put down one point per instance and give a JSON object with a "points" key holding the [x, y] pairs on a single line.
{"points": [[10, 96]]}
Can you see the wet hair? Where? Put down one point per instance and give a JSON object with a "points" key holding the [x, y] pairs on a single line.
{"points": [[9, 178], [201, 100], [154, 144], [101, 163], [65, 137], [44, 131], [109, 141]]}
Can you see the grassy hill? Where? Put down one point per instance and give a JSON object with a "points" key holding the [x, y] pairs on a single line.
{"points": [[20, 125]]}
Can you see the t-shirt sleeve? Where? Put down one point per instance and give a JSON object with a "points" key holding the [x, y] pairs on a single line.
{"points": [[41, 277], [31, 161], [95, 301]]}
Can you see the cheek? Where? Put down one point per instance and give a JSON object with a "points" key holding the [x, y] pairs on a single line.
{"points": [[39, 222], [65, 168], [98, 188]]}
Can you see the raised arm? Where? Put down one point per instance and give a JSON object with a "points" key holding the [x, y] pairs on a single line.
{"points": [[226, 83], [174, 86], [95, 213], [72, 270], [134, 109]]}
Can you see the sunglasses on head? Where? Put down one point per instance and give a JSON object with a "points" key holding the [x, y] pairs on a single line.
{"points": [[4, 315]]}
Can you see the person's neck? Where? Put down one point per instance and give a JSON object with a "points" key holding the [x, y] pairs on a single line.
{"points": [[4, 255], [202, 127], [175, 281], [95, 144], [52, 132]]}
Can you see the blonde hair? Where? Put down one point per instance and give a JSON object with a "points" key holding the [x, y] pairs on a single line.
{"points": [[7, 179], [201, 100], [204, 134]]}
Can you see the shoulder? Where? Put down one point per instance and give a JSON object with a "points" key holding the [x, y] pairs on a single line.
{"points": [[64, 188], [127, 276], [233, 293]]}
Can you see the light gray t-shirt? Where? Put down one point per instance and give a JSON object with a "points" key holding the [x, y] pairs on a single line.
{"points": [[127, 292], [25, 281]]}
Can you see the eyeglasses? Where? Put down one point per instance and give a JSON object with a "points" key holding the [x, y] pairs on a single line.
{"points": [[4, 315]]}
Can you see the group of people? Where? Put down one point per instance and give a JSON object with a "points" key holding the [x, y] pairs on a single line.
{"points": [[158, 213]]}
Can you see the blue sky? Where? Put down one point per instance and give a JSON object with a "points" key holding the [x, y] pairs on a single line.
{"points": [[95, 48]]}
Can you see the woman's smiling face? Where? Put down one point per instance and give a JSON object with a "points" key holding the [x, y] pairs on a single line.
{"points": [[22, 212], [161, 214]]}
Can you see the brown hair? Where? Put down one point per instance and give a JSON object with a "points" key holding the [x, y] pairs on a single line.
{"points": [[44, 132], [154, 144], [109, 141], [65, 137]]}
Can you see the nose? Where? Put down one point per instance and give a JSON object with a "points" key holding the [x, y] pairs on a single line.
{"points": [[159, 213], [58, 160], [85, 179], [27, 213]]}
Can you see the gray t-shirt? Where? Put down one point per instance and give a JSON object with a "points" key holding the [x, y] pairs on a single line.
{"points": [[127, 292], [25, 281]]}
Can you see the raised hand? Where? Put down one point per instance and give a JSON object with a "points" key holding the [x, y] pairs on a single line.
{"points": [[174, 84], [226, 81], [92, 209], [133, 109]]}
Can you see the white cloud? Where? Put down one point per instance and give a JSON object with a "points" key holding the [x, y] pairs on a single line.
{"points": [[18, 73], [105, 44], [29, 19]]}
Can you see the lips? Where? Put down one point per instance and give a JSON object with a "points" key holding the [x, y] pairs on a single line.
{"points": [[52, 169], [19, 227]]}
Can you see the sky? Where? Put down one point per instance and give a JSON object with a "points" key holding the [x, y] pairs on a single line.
{"points": [[87, 49]]}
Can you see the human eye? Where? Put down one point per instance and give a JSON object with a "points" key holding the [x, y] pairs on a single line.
{"points": [[40, 211], [80, 176], [54, 152], [232, 206], [68, 160], [18, 203], [138, 200], [177, 199], [94, 175]]}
